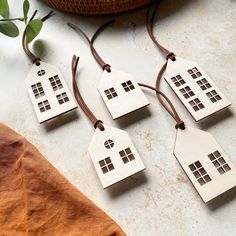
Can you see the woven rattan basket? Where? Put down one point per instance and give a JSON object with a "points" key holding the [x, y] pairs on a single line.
{"points": [[92, 7]]}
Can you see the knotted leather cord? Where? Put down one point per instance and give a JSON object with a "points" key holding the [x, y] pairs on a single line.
{"points": [[33, 57], [172, 111], [168, 55], [97, 57], [97, 123]]}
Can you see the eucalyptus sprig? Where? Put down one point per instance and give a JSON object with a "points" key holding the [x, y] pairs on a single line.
{"points": [[10, 29]]}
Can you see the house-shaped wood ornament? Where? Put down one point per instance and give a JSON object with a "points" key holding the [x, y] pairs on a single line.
{"points": [[48, 92], [194, 88], [205, 162], [114, 155], [121, 93]]}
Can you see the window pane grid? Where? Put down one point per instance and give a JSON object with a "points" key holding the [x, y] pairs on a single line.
{"points": [[187, 92], [38, 90], [110, 93], [55, 83], [44, 106], [62, 98], [219, 162], [204, 84], [128, 86], [106, 165], [178, 80], [200, 173], [126, 155], [196, 104], [41, 72], [214, 96], [194, 72]]}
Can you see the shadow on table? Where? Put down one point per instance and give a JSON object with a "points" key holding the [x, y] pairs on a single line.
{"points": [[222, 200], [127, 185], [61, 120], [133, 117], [216, 118]]}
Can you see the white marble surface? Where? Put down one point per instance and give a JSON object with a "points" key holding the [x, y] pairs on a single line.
{"points": [[162, 201]]}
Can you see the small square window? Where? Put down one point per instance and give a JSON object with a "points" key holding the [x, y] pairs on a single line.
{"points": [[178, 80], [55, 83], [204, 84], [213, 96], [128, 86], [126, 155], [110, 93], [187, 92], [44, 106], [219, 162], [196, 104], [106, 165], [194, 72], [199, 172], [38, 90], [62, 98]]}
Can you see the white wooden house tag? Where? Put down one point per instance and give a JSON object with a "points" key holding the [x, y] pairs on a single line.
{"points": [[121, 93], [48, 92], [114, 155], [194, 88], [208, 167]]}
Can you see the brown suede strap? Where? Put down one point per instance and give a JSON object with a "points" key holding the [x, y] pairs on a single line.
{"points": [[33, 57], [150, 17], [172, 111], [97, 123], [97, 57]]}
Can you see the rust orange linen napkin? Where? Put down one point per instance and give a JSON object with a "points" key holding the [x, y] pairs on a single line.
{"points": [[35, 199]]}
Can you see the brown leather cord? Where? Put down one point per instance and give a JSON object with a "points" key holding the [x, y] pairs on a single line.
{"points": [[150, 17], [97, 57], [33, 57], [97, 123], [168, 55], [172, 112]]}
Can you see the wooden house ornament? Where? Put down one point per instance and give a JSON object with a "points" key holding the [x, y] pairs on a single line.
{"points": [[194, 88], [48, 92], [121, 93], [205, 162], [114, 155]]}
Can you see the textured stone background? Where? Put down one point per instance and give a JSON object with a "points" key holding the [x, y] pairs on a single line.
{"points": [[161, 201]]}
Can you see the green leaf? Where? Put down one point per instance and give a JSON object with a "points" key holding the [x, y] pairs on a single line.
{"points": [[33, 29], [3, 7], [26, 7], [9, 29]]}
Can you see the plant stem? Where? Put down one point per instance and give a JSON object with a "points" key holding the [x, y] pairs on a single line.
{"points": [[12, 19]]}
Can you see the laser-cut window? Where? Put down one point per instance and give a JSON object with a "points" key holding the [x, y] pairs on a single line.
{"points": [[196, 104], [219, 162], [110, 93], [126, 155], [204, 84], [41, 72], [38, 90], [128, 86], [62, 98], [178, 80], [187, 92], [194, 72], [44, 106], [55, 82], [109, 144], [200, 173], [106, 165], [214, 96]]}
